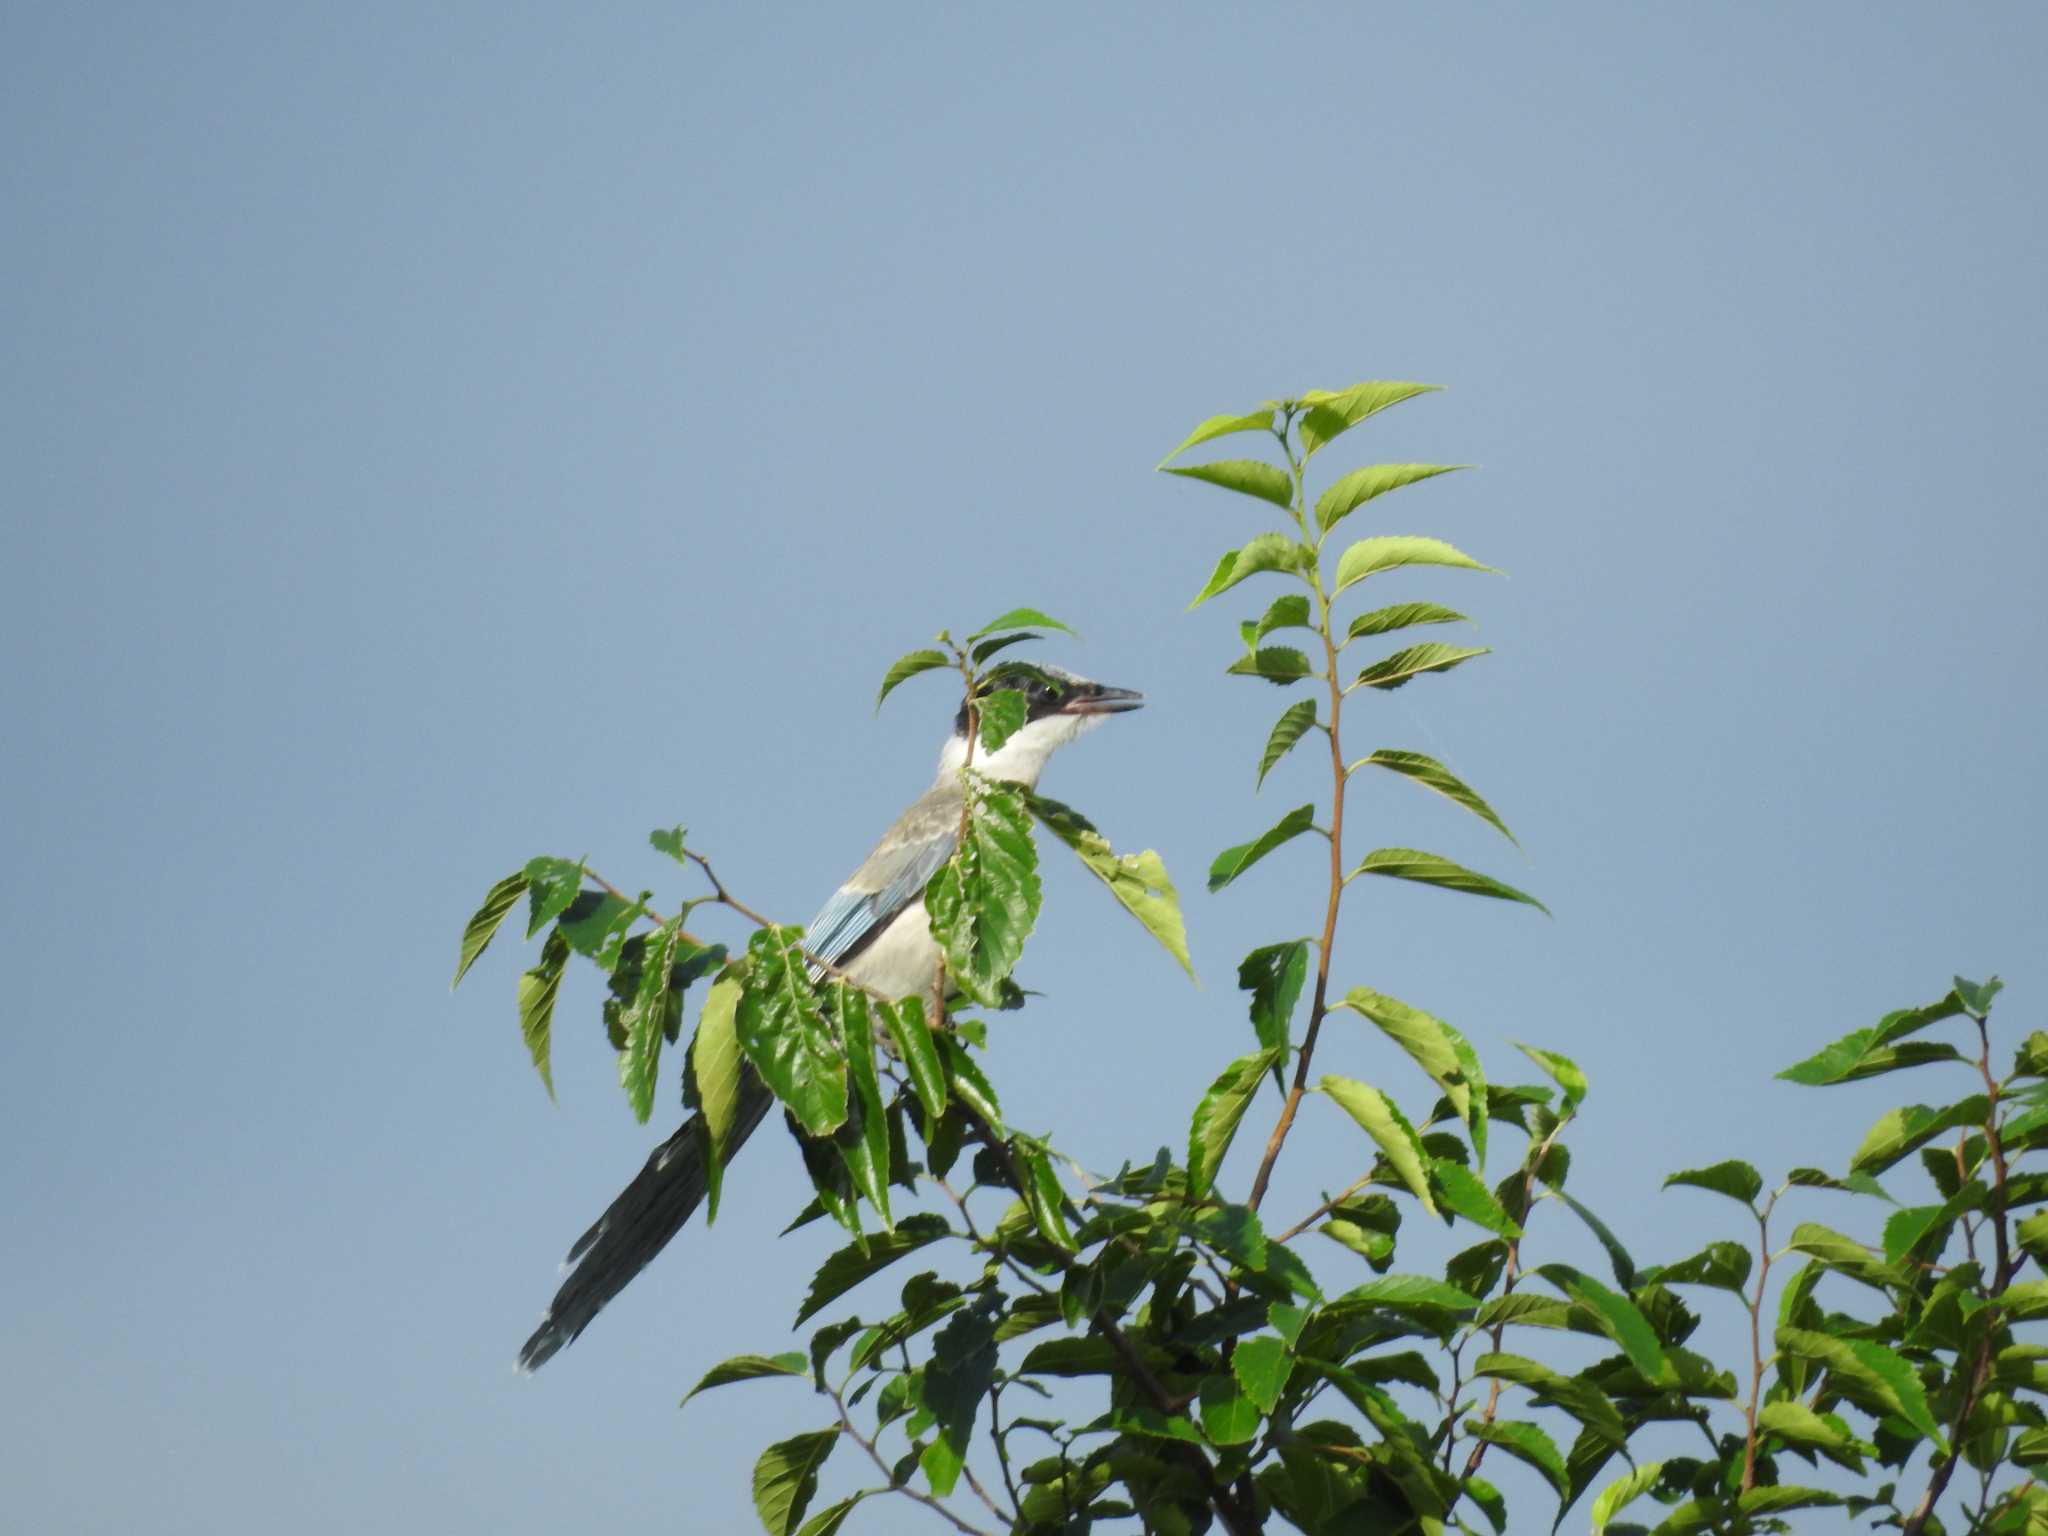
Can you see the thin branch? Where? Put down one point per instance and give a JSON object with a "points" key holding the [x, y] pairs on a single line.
{"points": [[874, 1455], [1321, 1211], [1756, 1347]]}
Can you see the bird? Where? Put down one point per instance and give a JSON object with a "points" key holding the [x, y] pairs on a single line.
{"points": [[875, 931]]}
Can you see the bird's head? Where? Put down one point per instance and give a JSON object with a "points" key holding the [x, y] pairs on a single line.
{"points": [[1058, 706]]}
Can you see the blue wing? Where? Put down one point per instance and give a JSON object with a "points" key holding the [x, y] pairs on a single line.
{"points": [[893, 877]]}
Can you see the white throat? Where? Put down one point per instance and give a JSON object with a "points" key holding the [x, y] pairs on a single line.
{"points": [[1022, 758]]}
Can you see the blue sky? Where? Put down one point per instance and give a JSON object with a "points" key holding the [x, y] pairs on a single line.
{"points": [[431, 439]]}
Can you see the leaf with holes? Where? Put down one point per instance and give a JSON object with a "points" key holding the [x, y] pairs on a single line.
{"points": [[1290, 728], [1435, 869], [1138, 881]]}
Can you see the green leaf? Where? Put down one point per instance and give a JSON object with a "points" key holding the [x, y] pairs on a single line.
{"points": [[1853, 1184], [551, 884], [1905, 1228], [1232, 862], [1020, 618], [1274, 975], [1332, 412], [748, 1368], [1618, 1495], [1429, 1042], [538, 989], [863, 1140], [646, 1019], [1431, 774], [1280, 665], [1579, 1398], [1435, 869], [1267, 552], [1044, 1198], [1138, 881], [1290, 610], [969, 1083], [1406, 1293], [1842, 1254], [784, 1033], [1527, 1443], [1260, 420], [1861, 1053], [911, 1033], [1002, 716], [1976, 996], [1463, 1191], [1251, 477], [1404, 666], [1870, 1373], [855, 1262], [1290, 728], [1261, 1365], [1562, 1070], [1911, 1127], [1725, 1266], [1350, 492], [984, 902], [1384, 1122], [1797, 1424], [477, 934], [1229, 1416], [1216, 1118], [1618, 1258], [1368, 557], [595, 925], [908, 666], [716, 1064], [786, 1478], [1619, 1318], [1384, 621], [826, 1522], [1735, 1179], [670, 841], [2031, 1059]]}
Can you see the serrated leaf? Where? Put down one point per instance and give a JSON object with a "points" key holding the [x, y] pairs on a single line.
{"points": [[1217, 1117], [1332, 412], [1852, 1184], [1876, 1373], [595, 925], [1044, 1198], [1435, 869], [1020, 618], [855, 1263], [1404, 666], [1399, 616], [1280, 665], [551, 884], [984, 901], [1528, 1444], [1383, 1121], [1618, 1495], [1734, 1178], [784, 1033], [1430, 1043], [1368, 557], [538, 989], [1619, 1318], [1904, 1229], [1579, 1398], [1463, 1191], [1260, 420], [911, 1032], [1274, 975], [1267, 552], [1229, 1416], [1290, 610], [968, 1083], [1618, 1259], [908, 666], [1262, 1365], [1290, 728], [1138, 881], [749, 1368], [1431, 774], [1232, 862], [1907, 1129], [717, 1065], [1797, 1424], [1249, 477], [669, 840], [1861, 1052], [646, 1019], [1408, 1293], [1976, 996], [1842, 1254], [1350, 492], [1002, 715], [827, 1522], [1561, 1069], [476, 934], [863, 1141], [786, 1479], [1725, 1266]]}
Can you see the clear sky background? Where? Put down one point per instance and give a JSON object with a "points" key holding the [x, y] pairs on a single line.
{"points": [[434, 437]]}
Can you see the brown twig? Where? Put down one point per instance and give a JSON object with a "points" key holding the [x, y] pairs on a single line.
{"points": [[846, 1428]]}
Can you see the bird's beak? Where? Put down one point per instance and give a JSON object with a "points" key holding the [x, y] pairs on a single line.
{"points": [[1102, 700]]}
